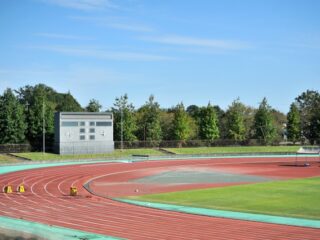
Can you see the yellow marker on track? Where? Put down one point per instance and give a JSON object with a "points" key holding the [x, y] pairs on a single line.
{"points": [[73, 191], [8, 189], [21, 189]]}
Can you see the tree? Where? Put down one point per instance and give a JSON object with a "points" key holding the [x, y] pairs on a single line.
{"points": [[194, 116], [308, 104], [40, 103], [208, 125], [315, 124], [149, 121], [249, 114], [180, 124], [294, 124], [193, 111], [166, 119], [93, 106], [264, 124], [12, 119], [221, 120], [235, 121], [122, 107], [65, 102], [40, 97], [61, 102], [279, 120]]}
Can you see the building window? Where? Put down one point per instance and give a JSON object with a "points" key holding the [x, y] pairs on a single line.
{"points": [[92, 130], [92, 124], [69, 124], [82, 137], [82, 124], [92, 137], [104, 124], [82, 130]]}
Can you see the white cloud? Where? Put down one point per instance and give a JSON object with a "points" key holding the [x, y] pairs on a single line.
{"points": [[197, 42], [129, 27], [115, 23], [62, 36], [87, 5], [101, 53]]}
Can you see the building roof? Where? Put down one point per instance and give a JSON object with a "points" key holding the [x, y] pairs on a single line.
{"points": [[85, 113]]}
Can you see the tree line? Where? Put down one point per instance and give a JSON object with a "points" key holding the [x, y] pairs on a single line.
{"points": [[26, 110]]}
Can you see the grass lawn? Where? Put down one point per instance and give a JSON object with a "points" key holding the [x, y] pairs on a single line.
{"points": [[239, 149], [293, 198], [39, 156], [6, 159]]}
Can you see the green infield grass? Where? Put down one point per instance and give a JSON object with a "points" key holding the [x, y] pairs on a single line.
{"points": [[39, 156], [238, 149], [292, 198]]}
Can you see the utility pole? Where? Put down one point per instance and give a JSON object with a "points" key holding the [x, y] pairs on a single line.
{"points": [[43, 128]]}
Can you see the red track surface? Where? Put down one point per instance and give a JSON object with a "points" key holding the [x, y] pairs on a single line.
{"points": [[47, 201]]}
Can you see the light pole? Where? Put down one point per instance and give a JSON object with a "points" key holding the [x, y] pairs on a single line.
{"points": [[43, 128], [263, 135], [121, 113]]}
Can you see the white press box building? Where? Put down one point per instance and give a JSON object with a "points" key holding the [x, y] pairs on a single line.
{"points": [[83, 132]]}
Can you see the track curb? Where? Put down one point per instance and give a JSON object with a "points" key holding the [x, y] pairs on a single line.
{"points": [[49, 232], [299, 222]]}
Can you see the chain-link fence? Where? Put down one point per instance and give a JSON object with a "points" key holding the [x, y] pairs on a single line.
{"points": [[72, 147], [15, 148], [202, 143]]}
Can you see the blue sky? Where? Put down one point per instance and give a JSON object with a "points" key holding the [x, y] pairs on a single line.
{"points": [[179, 50]]}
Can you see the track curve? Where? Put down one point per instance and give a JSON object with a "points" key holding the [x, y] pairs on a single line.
{"points": [[47, 201]]}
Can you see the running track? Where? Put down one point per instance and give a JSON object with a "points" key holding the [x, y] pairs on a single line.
{"points": [[47, 201]]}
